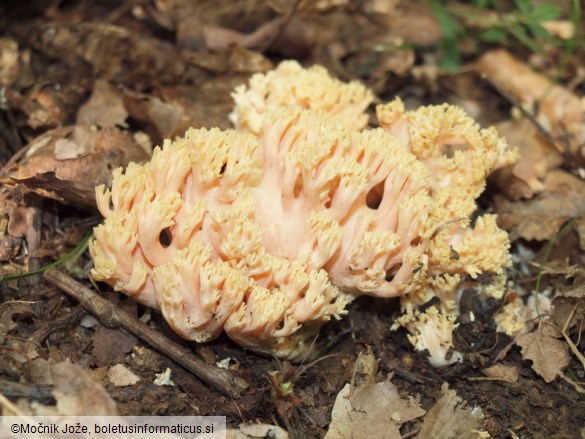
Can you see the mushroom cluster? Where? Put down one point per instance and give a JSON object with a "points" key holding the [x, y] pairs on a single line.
{"points": [[268, 231]]}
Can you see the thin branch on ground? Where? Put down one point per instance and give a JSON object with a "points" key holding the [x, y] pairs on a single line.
{"points": [[111, 316]]}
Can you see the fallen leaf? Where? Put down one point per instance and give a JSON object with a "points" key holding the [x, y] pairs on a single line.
{"points": [[20, 220], [450, 418], [285, 35], [541, 217], [257, 431], [501, 372], [525, 178], [9, 66], [110, 345], [9, 311], [365, 369], [548, 354], [104, 108], [73, 180], [371, 410], [9, 248], [77, 394], [569, 306], [233, 60], [120, 376]]}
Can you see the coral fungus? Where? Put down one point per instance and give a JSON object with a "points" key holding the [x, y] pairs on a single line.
{"points": [[258, 235], [269, 231]]}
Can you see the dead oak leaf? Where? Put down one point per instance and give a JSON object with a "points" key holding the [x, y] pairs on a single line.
{"points": [[371, 410], [508, 374], [548, 354], [77, 394], [104, 108], [541, 217], [451, 418], [66, 164]]}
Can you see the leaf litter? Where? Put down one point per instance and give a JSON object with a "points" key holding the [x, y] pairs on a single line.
{"points": [[91, 88]]}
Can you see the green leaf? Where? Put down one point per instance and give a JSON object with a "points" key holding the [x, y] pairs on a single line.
{"points": [[523, 6], [450, 27], [545, 12], [77, 251], [538, 31], [494, 35], [522, 35], [482, 4], [451, 59]]}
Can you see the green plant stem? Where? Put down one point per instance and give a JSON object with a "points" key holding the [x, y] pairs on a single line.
{"points": [[77, 251]]}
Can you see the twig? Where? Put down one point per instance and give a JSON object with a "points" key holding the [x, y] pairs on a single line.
{"points": [[111, 316]]}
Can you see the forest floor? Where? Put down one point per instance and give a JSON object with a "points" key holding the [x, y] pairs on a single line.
{"points": [[140, 71]]}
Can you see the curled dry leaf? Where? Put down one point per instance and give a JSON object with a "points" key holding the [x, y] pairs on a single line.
{"points": [[234, 60], [287, 35], [501, 372], [450, 418], [67, 163], [77, 394], [540, 218], [104, 108], [371, 410], [175, 109], [525, 178], [548, 354]]}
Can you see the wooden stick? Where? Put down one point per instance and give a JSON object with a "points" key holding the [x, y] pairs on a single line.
{"points": [[111, 316]]}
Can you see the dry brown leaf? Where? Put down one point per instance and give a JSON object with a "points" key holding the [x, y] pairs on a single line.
{"points": [[10, 248], [548, 354], [20, 220], [120, 376], [556, 108], [257, 431], [569, 306], [450, 418], [73, 180], [408, 13], [234, 60], [525, 178], [9, 66], [371, 410], [541, 217], [78, 395], [365, 369], [112, 52], [501, 372], [285, 35], [178, 108], [11, 309], [104, 108], [110, 345]]}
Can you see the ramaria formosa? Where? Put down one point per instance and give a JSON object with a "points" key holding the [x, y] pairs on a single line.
{"points": [[270, 231]]}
